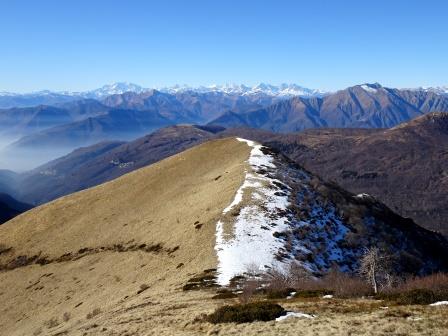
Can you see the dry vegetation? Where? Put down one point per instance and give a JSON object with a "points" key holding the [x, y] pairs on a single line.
{"points": [[114, 246]]}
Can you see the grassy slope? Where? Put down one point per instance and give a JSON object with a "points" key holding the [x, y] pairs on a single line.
{"points": [[158, 204]]}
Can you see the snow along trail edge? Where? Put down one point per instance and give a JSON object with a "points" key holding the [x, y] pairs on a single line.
{"points": [[252, 243], [278, 219]]}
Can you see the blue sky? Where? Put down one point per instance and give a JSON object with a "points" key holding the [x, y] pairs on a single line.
{"points": [[78, 45]]}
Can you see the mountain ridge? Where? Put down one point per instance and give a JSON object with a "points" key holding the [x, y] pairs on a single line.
{"points": [[366, 105], [10, 99]]}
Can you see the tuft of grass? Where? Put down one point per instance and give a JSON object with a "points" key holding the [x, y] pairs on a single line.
{"points": [[93, 313], [398, 313], [207, 279], [51, 323], [244, 313], [66, 317], [37, 332]]}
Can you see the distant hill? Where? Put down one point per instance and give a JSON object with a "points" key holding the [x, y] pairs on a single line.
{"points": [[24, 121], [53, 142], [17, 122], [360, 106], [8, 181], [10, 208], [90, 166]]}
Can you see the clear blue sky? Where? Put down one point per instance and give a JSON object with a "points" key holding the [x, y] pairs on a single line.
{"points": [[78, 44]]}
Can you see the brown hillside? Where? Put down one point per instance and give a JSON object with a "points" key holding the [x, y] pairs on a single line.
{"points": [[98, 248], [404, 167]]}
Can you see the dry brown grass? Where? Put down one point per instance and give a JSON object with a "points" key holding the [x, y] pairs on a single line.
{"points": [[158, 204]]}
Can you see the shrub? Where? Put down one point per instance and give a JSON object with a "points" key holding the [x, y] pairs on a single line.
{"points": [[225, 295], [222, 296], [310, 293], [203, 280], [279, 293], [334, 282], [418, 290], [243, 313], [436, 282], [412, 297], [344, 285]]}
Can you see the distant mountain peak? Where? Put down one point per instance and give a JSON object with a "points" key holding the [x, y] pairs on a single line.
{"points": [[114, 88]]}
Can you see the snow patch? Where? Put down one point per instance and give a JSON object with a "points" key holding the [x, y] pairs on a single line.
{"points": [[414, 318], [439, 303], [363, 195], [369, 88], [294, 314], [327, 296], [252, 243], [291, 295]]}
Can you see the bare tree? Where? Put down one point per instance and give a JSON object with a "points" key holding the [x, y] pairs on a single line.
{"points": [[295, 276], [374, 267], [249, 288]]}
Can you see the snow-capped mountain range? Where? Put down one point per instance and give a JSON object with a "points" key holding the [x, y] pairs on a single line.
{"points": [[262, 90], [282, 90]]}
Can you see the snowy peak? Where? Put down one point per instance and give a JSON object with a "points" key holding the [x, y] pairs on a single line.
{"points": [[441, 90], [114, 88], [282, 90], [104, 91]]}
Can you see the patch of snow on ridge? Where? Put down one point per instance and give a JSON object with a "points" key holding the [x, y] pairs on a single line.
{"points": [[439, 303], [252, 242], [275, 220], [369, 88], [363, 195], [294, 314]]}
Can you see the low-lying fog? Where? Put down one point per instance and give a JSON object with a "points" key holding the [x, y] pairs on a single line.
{"points": [[24, 160]]}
